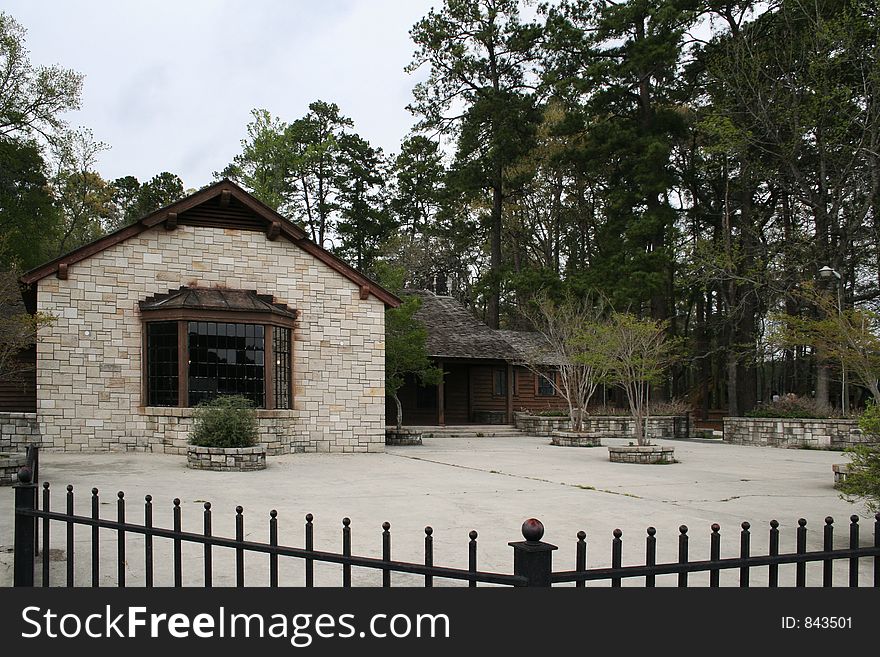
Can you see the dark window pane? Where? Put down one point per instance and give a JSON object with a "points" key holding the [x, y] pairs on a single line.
{"points": [[500, 382], [281, 350], [162, 364], [545, 385], [221, 364]]}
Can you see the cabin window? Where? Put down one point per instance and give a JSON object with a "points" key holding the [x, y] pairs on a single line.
{"points": [[500, 382], [545, 385]]}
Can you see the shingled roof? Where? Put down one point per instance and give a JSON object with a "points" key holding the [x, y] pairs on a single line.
{"points": [[454, 332], [530, 346]]}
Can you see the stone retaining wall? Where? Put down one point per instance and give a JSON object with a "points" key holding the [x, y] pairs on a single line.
{"points": [[793, 432], [18, 430], [604, 426], [226, 459]]}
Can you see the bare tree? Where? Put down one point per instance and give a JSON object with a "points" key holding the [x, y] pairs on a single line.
{"points": [[634, 353], [569, 330]]}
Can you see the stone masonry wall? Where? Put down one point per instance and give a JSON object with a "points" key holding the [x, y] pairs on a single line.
{"points": [[18, 430], [660, 426], [792, 432], [89, 362]]}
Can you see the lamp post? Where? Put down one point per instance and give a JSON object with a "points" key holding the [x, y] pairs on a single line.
{"points": [[827, 273]]}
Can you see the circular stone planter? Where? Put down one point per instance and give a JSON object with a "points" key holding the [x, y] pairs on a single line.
{"points": [[226, 459], [574, 439], [402, 437], [647, 454]]}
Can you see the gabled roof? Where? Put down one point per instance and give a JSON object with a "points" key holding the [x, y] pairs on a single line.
{"points": [[454, 332], [223, 204]]}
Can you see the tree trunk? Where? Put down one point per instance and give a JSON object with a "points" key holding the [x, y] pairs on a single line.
{"points": [[494, 301], [399, 412], [822, 383]]}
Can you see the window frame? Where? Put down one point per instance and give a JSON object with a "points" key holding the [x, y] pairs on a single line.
{"points": [[502, 373], [183, 316], [551, 378]]}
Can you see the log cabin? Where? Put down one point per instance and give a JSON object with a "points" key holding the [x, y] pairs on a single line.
{"points": [[484, 381]]}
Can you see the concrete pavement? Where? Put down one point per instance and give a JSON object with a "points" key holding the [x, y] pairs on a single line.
{"points": [[455, 485]]}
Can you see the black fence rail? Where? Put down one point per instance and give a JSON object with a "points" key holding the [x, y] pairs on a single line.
{"points": [[532, 558]]}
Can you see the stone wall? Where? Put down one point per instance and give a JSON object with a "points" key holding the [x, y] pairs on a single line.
{"points": [[792, 432], [89, 361], [608, 426], [18, 430], [540, 425]]}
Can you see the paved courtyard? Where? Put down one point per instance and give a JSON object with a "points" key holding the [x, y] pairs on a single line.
{"points": [[456, 485]]}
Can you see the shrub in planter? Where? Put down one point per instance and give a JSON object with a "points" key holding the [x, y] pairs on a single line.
{"points": [[227, 421]]}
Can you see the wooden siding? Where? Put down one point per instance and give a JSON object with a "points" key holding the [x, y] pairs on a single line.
{"points": [[469, 389], [456, 394], [214, 213], [526, 397], [19, 395], [483, 397]]}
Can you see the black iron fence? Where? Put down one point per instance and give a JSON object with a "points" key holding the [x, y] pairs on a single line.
{"points": [[532, 558]]}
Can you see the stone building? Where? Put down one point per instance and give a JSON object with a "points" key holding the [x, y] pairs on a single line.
{"points": [[214, 294]]}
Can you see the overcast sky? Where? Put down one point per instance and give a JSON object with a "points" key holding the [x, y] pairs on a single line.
{"points": [[169, 85]]}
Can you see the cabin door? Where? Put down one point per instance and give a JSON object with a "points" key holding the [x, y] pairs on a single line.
{"points": [[456, 394]]}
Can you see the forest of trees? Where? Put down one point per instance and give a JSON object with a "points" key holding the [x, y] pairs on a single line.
{"points": [[696, 162]]}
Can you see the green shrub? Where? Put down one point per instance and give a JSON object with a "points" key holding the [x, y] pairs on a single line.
{"points": [[550, 413], [863, 479], [227, 421], [792, 406], [869, 420]]}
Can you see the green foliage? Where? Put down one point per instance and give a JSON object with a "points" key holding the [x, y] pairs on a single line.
{"points": [[81, 194], [365, 225], [634, 353], [226, 421], [849, 337], [133, 201], [792, 406], [479, 92], [406, 353], [33, 99], [863, 479], [18, 328], [869, 420], [29, 221]]}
